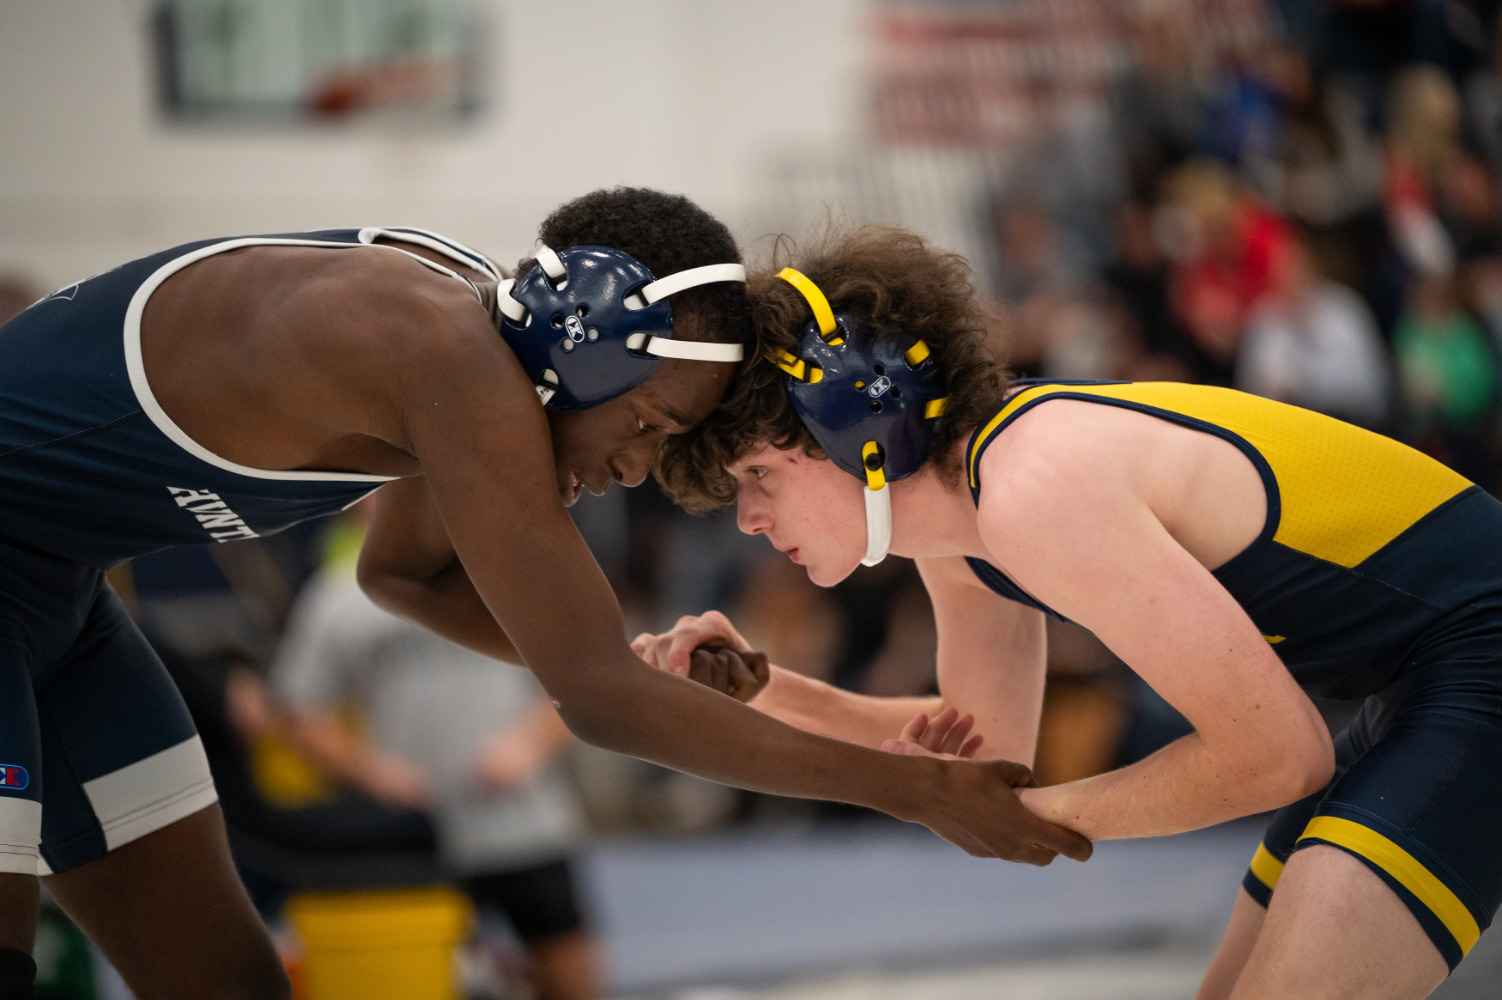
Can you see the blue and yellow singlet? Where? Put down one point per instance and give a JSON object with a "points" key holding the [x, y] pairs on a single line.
{"points": [[1372, 552]]}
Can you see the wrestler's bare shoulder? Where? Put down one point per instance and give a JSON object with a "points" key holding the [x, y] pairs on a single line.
{"points": [[320, 348], [1083, 459]]}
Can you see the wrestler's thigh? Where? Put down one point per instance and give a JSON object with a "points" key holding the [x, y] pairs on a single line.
{"points": [[1335, 931], [132, 839], [169, 912]]}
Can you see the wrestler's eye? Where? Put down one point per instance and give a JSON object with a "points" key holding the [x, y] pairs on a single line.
{"points": [[643, 427]]}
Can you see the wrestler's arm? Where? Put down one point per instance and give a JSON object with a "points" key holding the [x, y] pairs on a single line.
{"points": [[409, 567], [805, 702], [1076, 533], [817, 707], [468, 413], [990, 664], [992, 660]]}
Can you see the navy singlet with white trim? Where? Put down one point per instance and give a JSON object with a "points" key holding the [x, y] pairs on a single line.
{"points": [[93, 470]]}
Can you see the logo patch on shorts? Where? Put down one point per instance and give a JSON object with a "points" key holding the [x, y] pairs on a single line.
{"points": [[13, 776]]}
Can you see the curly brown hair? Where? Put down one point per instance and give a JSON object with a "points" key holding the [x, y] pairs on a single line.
{"points": [[892, 279]]}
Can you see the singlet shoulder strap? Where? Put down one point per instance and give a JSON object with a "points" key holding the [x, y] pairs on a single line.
{"points": [[1030, 391], [452, 249]]}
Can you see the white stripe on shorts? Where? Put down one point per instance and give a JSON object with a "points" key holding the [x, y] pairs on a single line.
{"points": [[153, 792], [20, 833]]}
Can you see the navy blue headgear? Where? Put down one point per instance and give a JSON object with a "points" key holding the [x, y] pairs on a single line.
{"points": [[869, 402], [590, 323]]}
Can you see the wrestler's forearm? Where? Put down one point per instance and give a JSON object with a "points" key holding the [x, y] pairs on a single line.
{"points": [[675, 722], [817, 707], [1184, 786], [445, 603]]}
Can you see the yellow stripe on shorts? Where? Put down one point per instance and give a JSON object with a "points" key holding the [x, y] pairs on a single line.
{"points": [[1266, 868], [1402, 866]]}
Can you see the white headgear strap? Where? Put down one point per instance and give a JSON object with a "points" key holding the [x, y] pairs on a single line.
{"points": [[692, 350], [662, 347], [878, 524], [510, 308], [551, 264]]}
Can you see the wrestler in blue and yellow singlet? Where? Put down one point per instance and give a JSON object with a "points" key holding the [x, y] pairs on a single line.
{"points": [[1377, 575]]}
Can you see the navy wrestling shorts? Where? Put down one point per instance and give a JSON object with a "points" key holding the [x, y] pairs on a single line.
{"points": [[1417, 793], [96, 746]]}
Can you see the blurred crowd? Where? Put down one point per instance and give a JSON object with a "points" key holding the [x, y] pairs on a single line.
{"points": [[1323, 232], [1314, 215]]}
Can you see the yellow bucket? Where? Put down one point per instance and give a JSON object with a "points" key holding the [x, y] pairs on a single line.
{"points": [[391, 944]]}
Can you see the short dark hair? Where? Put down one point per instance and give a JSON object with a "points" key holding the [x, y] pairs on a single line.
{"points": [[890, 278], [667, 233]]}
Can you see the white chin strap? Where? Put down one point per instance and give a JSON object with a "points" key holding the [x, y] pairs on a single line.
{"points": [[662, 347], [878, 524]]}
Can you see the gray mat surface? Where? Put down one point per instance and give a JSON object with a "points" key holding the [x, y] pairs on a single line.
{"points": [[867, 911]]}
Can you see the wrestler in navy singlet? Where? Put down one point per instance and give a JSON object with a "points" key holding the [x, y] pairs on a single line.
{"points": [[91, 468], [96, 748], [1376, 576]]}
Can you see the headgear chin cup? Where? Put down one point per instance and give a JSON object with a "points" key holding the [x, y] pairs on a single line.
{"points": [[869, 402], [590, 323]]}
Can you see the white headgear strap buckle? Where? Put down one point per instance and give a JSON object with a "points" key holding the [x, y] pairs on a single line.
{"points": [[510, 308]]}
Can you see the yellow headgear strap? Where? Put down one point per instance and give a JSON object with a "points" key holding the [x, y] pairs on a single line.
{"points": [[796, 367], [823, 315], [876, 478]]}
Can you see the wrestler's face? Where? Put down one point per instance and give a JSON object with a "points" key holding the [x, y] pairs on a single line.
{"points": [[808, 507], [617, 441]]}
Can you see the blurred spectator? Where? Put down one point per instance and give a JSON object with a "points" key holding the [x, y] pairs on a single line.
{"points": [[1036, 260], [1314, 343], [1447, 378], [1155, 345], [1071, 167], [1246, 110], [1226, 245], [1483, 102], [1321, 168], [1469, 207], [1422, 134], [1161, 100], [287, 828], [1040, 274], [476, 738]]}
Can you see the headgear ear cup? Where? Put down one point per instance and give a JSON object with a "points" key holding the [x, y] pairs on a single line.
{"points": [[590, 323], [868, 402]]}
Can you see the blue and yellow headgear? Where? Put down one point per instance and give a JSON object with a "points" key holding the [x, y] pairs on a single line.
{"points": [[869, 401]]}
